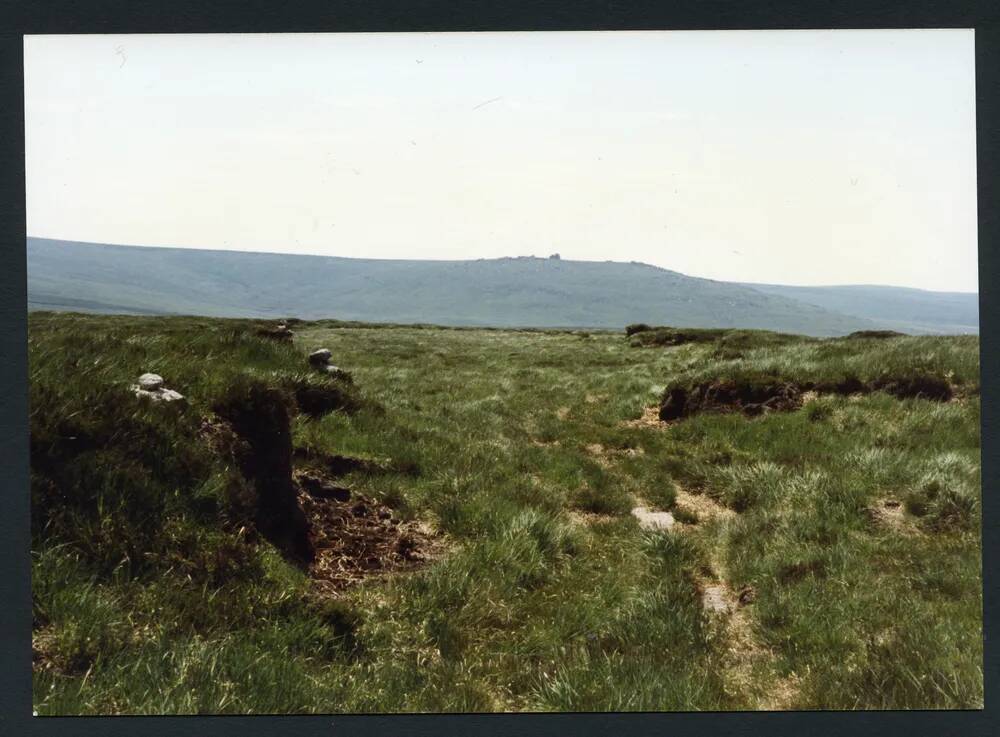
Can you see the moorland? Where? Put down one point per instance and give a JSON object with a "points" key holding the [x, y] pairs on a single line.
{"points": [[447, 523]]}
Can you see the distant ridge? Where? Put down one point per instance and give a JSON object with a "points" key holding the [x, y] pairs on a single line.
{"points": [[507, 292], [900, 308]]}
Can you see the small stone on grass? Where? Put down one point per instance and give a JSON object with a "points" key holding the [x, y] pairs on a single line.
{"points": [[650, 520]]}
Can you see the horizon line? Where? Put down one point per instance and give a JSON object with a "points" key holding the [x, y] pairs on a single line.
{"points": [[500, 258]]}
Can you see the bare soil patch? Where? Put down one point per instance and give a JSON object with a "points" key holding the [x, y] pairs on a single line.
{"points": [[335, 533], [782, 694], [585, 519], [701, 506], [44, 659], [544, 443], [650, 418], [357, 536], [890, 514], [745, 659], [605, 456]]}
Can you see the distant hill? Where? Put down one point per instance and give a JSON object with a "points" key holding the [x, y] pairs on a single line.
{"points": [[528, 292], [899, 308]]}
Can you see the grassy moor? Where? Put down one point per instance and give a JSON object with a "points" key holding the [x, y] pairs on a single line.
{"points": [[475, 520]]}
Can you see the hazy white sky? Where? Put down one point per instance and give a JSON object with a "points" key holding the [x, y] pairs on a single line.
{"points": [[796, 157]]}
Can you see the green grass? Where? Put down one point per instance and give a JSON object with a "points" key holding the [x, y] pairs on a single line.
{"points": [[954, 358], [153, 595]]}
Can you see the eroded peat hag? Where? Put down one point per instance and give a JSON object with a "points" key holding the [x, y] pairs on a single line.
{"points": [[756, 395], [783, 372], [469, 513]]}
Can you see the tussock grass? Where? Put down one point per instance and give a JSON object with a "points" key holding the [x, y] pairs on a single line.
{"points": [[150, 595], [831, 362]]}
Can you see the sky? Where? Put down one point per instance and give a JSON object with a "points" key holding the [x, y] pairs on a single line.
{"points": [[788, 157]]}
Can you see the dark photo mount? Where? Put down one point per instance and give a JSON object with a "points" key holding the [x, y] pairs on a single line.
{"points": [[56, 17]]}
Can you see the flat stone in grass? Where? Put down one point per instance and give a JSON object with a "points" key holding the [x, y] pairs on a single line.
{"points": [[650, 520], [713, 599]]}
